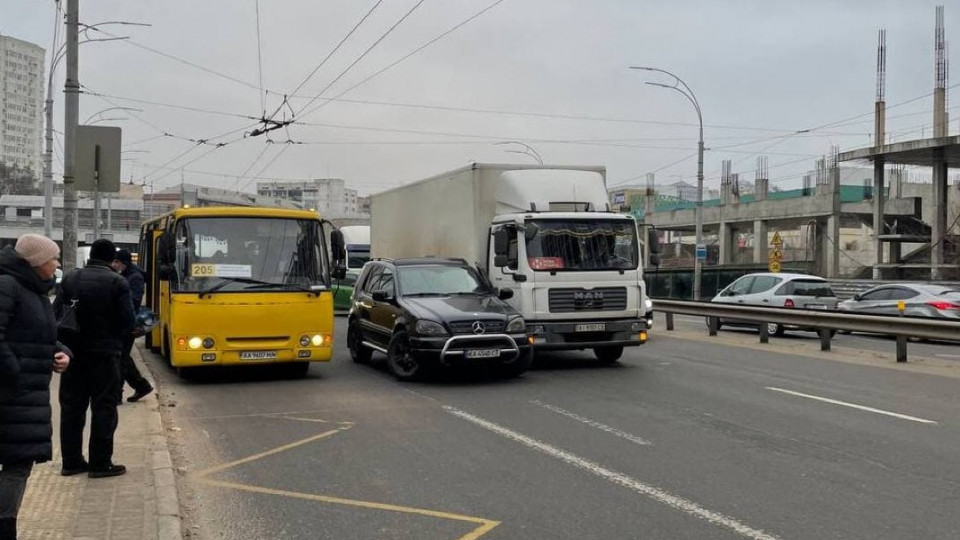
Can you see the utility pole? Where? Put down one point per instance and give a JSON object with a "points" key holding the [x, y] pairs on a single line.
{"points": [[71, 89], [48, 135]]}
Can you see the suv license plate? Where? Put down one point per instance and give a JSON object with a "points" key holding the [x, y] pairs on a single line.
{"points": [[482, 353], [599, 327], [258, 355]]}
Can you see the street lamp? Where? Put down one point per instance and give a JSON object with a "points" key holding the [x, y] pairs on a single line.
{"points": [[688, 93]]}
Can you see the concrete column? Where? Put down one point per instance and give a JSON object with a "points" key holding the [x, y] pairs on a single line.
{"points": [[939, 225], [760, 241], [832, 247], [761, 189], [726, 243], [878, 202]]}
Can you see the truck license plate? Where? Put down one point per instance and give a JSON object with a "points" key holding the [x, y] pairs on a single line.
{"points": [[258, 355], [598, 327], [482, 353]]}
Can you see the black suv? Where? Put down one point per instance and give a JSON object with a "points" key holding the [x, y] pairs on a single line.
{"points": [[431, 312]]}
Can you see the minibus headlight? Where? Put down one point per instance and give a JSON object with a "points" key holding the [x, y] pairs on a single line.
{"points": [[194, 343], [317, 340]]}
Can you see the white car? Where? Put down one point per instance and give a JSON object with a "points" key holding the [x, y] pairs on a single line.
{"points": [[777, 290]]}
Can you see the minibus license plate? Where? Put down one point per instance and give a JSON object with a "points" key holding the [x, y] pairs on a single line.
{"points": [[482, 353], [258, 355], [599, 327]]}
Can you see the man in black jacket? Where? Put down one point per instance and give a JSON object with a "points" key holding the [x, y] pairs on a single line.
{"points": [[123, 264], [105, 314]]}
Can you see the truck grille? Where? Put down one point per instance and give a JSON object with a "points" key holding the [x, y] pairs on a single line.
{"points": [[467, 327], [599, 299]]}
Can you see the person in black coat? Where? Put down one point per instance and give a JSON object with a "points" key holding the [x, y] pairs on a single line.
{"points": [[123, 264], [29, 353], [105, 314]]}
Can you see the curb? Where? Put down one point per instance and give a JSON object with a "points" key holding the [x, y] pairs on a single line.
{"points": [[169, 525]]}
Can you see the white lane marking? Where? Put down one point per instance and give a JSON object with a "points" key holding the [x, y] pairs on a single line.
{"points": [[673, 501], [949, 355], [854, 406], [591, 423]]}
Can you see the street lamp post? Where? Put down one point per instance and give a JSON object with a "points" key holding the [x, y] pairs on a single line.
{"points": [[688, 93]]}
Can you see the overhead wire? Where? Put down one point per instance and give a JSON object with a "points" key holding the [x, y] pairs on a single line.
{"points": [[362, 55], [401, 59]]}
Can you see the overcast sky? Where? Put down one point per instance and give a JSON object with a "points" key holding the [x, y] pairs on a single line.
{"points": [[553, 74]]}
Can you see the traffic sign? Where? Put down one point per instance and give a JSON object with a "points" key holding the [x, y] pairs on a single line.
{"points": [[701, 252], [776, 255], [774, 266], [777, 241]]}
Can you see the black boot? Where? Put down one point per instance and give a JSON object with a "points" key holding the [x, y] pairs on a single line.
{"points": [[8, 528]]}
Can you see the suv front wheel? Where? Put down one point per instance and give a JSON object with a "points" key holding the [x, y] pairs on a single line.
{"points": [[358, 352], [400, 359]]}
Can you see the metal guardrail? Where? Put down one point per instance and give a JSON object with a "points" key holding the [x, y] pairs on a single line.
{"points": [[825, 322]]}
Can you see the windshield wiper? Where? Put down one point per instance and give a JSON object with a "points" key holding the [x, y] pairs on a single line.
{"points": [[228, 280], [426, 294], [265, 284]]}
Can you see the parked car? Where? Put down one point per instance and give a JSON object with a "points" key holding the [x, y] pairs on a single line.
{"points": [[920, 300], [777, 290], [424, 313]]}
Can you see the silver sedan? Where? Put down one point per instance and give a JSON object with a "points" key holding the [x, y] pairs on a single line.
{"points": [[919, 300]]}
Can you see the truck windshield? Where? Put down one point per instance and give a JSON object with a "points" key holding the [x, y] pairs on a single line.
{"points": [[238, 253], [582, 244], [357, 255]]}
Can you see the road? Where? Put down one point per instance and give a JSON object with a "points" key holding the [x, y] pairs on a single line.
{"points": [[684, 438]]}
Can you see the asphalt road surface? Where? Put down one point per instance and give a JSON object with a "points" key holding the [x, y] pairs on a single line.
{"points": [[686, 437]]}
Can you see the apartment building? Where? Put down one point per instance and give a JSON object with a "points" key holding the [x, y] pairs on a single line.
{"points": [[21, 103]]}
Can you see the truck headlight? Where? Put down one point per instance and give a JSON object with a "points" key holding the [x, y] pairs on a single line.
{"points": [[516, 325], [649, 304], [430, 328]]}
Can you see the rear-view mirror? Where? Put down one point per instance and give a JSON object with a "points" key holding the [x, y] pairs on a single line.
{"points": [[380, 296], [338, 247], [339, 272], [654, 259], [501, 243], [165, 272], [653, 241]]}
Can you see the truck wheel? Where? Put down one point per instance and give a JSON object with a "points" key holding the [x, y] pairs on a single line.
{"points": [[608, 355], [518, 366], [358, 352], [402, 363]]}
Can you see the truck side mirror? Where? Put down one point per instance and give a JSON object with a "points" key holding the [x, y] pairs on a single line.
{"points": [[654, 259], [653, 241], [501, 244]]}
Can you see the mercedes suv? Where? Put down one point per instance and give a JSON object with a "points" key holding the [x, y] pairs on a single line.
{"points": [[429, 312]]}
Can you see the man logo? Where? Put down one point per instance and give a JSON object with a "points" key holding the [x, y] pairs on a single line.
{"points": [[478, 327], [587, 299]]}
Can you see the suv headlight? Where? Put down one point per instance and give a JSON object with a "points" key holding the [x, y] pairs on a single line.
{"points": [[430, 328], [516, 325]]}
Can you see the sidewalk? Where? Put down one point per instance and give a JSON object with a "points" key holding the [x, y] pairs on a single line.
{"points": [[141, 504]]}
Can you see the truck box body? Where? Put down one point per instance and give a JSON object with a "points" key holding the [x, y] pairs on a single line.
{"points": [[567, 300]]}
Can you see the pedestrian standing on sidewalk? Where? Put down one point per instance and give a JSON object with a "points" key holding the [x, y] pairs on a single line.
{"points": [[124, 265], [105, 315], [29, 353]]}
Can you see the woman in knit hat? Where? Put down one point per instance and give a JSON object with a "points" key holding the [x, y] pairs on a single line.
{"points": [[29, 353]]}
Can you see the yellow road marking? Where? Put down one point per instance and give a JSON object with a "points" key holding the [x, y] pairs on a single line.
{"points": [[485, 524], [277, 450]]}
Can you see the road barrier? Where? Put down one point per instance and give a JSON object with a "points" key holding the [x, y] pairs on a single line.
{"points": [[825, 322]]}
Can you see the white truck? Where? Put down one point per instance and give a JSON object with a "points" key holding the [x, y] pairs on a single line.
{"points": [[356, 239], [545, 232]]}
